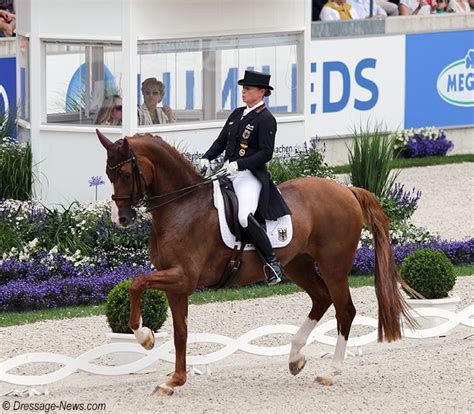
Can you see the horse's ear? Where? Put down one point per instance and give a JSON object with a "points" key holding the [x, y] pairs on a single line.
{"points": [[125, 148], [107, 143]]}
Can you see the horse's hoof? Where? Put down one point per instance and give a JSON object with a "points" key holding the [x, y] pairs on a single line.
{"points": [[149, 342], [325, 380], [297, 366], [163, 391]]}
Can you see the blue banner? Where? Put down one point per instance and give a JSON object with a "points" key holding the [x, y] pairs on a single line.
{"points": [[8, 84], [439, 79]]}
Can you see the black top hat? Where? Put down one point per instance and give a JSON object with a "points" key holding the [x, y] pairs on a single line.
{"points": [[258, 79]]}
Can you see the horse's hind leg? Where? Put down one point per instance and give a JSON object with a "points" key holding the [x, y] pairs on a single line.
{"points": [[335, 274], [302, 271]]}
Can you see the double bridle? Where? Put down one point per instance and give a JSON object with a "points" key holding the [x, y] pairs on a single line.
{"points": [[140, 198]]}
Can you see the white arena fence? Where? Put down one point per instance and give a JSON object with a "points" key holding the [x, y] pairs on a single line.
{"points": [[230, 346]]}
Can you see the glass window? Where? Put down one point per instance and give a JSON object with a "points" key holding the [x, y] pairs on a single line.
{"points": [[83, 83], [196, 79], [24, 81]]}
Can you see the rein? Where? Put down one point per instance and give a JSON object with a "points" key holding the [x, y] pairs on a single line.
{"points": [[139, 197]]}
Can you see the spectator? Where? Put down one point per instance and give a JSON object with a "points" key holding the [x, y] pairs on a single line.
{"points": [[459, 6], [7, 18], [338, 10], [149, 113], [390, 7], [471, 5], [111, 111], [415, 7], [362, 7], [317, 7], [441, 6]]}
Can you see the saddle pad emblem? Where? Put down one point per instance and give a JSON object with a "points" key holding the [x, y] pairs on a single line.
{"points": [[282, 234]]}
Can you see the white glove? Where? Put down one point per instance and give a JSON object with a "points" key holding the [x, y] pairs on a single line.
{"points": [[204, 162], [232, 167]]}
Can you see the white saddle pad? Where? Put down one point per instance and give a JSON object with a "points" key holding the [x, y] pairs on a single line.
{"points": [[280, 232]]}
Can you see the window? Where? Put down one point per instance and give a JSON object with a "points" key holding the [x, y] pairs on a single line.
{"points": [[24, 81], [200, 76], [83, 82]]}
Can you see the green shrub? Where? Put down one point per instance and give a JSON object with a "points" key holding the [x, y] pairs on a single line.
{"points": [[306, 164], [117, 308], [369, 161], [15, 170], [429, 272]]}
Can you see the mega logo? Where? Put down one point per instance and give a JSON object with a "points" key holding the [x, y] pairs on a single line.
{"points": [[455, 83]]}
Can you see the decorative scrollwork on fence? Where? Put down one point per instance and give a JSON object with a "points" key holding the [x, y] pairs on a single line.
{"points": [[242, 343]]}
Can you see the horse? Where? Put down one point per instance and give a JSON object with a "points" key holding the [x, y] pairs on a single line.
{"points": [[186, 248]]}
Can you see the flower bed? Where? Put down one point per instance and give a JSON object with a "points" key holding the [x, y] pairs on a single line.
{"points": [[459, 252], [423, 142]]}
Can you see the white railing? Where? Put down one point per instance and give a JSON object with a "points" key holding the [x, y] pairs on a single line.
{"points": [[165, 353]]}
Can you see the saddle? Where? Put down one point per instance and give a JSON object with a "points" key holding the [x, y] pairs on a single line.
{"points": [[231, 208]]}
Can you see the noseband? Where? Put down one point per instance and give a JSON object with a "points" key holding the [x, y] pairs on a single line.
{"points": [[136, 198]]}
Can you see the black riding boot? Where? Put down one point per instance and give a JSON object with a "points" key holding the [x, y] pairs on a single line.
{"points": [[273, 268]]}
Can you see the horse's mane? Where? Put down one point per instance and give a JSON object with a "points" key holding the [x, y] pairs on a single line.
{"points": [[155, 140]]}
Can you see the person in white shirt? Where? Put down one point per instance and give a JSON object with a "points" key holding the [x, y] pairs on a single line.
{"points": [[149, 112], [338, 10], [415, 7]]}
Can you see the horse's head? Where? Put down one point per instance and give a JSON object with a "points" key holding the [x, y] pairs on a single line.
{"points": [[128, 175]]}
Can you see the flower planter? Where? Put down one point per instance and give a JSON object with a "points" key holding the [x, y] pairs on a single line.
{"points": [[122, 358], [425, 322]]}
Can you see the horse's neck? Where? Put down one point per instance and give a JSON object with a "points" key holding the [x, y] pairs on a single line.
{"points": [[172, 175]]}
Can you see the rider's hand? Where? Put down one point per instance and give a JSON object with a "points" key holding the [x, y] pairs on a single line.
{"points": [[204, 163], [232, 167]]}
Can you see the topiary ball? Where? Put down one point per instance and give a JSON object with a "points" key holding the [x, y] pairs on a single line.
{"points": [[429, 272], [117, 308]]}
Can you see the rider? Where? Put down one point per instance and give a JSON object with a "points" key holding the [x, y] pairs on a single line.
{"points": [[248, 138]]}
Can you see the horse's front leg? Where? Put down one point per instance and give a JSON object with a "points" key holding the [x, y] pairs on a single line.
{"points": [[179, 310], [173, 282]]}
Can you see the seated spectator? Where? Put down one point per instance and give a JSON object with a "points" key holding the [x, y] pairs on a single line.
{"points": [[441, 6], [111, 111], [317, 7], [7, 18], [338, 10], [415, 7], [149, 112], [362, 7], [459, 6], [389, 6]]}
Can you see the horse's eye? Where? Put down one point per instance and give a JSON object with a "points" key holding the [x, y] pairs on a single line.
{"points": [[125, 176]]}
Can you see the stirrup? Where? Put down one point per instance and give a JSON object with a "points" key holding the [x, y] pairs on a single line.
{"points": [[271, 275]]}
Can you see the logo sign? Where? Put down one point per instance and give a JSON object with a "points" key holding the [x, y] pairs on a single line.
{"points": [[455, 83], [353, 83]]}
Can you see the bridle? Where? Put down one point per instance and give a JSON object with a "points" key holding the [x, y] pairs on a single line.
{"points": [[137, 198], [140, 198]]}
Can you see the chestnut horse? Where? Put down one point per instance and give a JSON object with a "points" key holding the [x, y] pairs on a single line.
{"points": [[186, 246]]}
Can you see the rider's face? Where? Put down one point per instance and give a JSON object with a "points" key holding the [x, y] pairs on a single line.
{"points": [[252, 95]]}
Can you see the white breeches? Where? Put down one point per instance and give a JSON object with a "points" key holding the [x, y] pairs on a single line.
{"points": [[247, 188]]}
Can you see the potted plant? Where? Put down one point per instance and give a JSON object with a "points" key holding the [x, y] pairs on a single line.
{"points": [[117, 312], [431, 274]]}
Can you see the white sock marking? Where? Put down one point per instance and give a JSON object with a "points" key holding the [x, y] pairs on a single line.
{"points": [[300, 338]]}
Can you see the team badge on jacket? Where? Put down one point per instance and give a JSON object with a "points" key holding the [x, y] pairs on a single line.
{"points": [[247, 131], [244, 144]]}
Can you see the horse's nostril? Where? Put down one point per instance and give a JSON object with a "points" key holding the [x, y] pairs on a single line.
{"points": [[123, 220]]}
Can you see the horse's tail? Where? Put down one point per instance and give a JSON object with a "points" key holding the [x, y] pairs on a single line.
{"points": [[392, 304]]}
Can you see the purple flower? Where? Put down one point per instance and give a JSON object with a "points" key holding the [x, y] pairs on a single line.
{"points": [[96, 181]]}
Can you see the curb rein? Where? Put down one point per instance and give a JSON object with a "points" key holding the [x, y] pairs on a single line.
{"points": [[139, 198]]}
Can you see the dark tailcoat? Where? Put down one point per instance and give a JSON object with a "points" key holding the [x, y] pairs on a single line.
{"points": [[250, 142]]}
